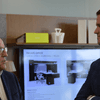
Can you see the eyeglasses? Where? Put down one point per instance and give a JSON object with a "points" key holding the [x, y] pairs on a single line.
{"points": [[2, 49]]}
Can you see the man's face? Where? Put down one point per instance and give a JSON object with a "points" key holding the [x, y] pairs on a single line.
{"points": [[2, 56], [97, 30]]}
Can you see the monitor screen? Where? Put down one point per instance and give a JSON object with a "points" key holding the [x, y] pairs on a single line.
{"points": [[56, 74]]}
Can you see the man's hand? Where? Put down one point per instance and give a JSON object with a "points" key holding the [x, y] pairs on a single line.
{"points": [[90, 97]]}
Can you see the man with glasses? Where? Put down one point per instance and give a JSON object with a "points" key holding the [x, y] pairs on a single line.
{"points": [[9, 85]]}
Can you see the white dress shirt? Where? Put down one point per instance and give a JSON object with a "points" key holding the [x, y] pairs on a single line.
{"points": [[2, 91]]}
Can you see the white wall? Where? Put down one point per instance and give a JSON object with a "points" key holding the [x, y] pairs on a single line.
{"points": [[68, 8], [0, 6], [92, 6]]}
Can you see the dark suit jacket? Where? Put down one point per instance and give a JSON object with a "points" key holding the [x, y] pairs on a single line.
{"points": [[11, 86], [92, 83]]}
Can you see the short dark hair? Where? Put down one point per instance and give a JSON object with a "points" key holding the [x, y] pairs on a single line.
{"points": [[98, 12]]}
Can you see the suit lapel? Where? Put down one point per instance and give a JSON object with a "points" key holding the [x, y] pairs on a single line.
{"points": [[6, 84]]}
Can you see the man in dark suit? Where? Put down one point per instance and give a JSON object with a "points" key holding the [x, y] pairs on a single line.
{"points": [[91, 88], [9, 85]]}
